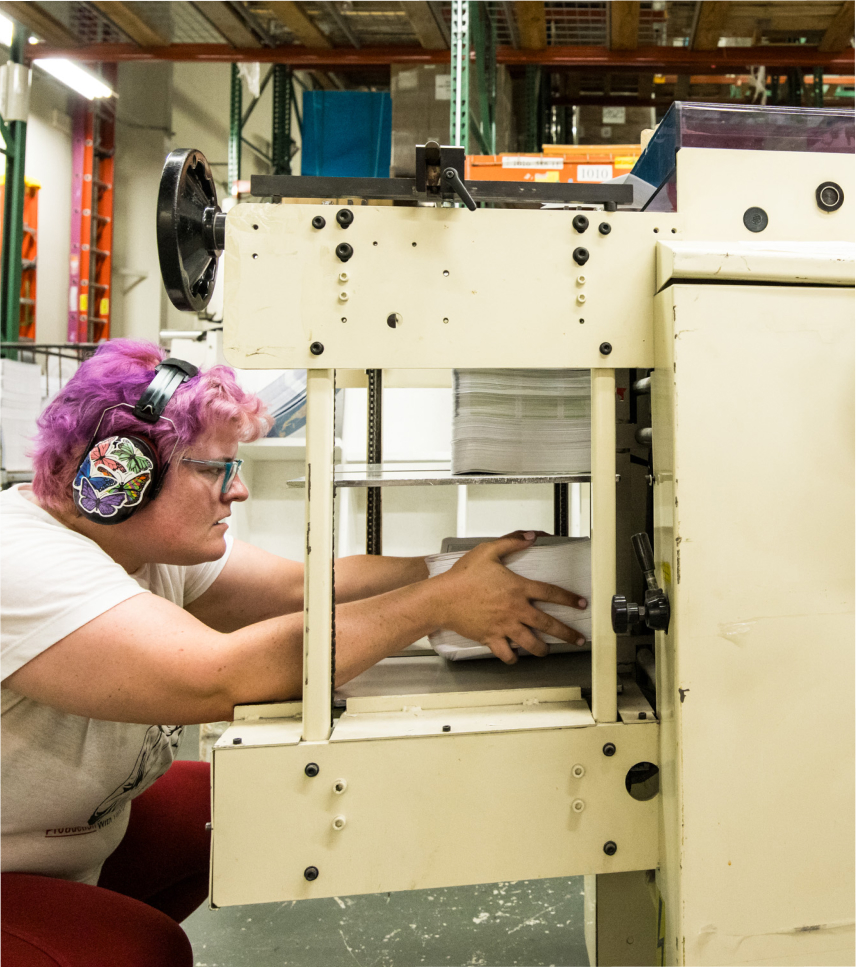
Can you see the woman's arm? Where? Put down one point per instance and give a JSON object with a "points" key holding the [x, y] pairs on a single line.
{"points": [[149, 661]]}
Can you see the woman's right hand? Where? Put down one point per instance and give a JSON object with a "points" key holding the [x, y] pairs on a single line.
{"points": [[485, 602]]}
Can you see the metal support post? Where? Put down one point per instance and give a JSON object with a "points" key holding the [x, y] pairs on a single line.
{"points": [[818, 87], [795, 86], [774, 84], [374, 454], [604, 678], [460, 85], [281, 138], [13, 211], [560, 509], [318, 575], [235, 125], [532, 101], [484, 42]]}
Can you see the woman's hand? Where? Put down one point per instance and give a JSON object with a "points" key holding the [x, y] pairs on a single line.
{"points": [[486, 602]]}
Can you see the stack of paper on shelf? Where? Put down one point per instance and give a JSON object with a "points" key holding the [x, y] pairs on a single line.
{"points": [[563, 561], [521, 421], [20, 405]]}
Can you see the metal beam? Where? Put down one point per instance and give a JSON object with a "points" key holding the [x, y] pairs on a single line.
{"points": [[223, 19], [292, 15], [711, 22], [531, 23], [131, 23], [39, 22], [341, 21], [511, 20], [623, 25], [839, 33], [672, 60], [424, 24]]}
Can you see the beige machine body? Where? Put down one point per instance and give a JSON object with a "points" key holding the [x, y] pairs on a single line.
{"points": [[751, 340]]}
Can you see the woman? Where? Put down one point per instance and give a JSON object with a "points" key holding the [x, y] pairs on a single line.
{"points": [[126, 604]]}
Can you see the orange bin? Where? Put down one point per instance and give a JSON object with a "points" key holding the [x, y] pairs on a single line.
{"points": [[556, 163]]}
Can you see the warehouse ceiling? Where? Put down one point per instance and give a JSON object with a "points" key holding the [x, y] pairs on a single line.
{"points": [[355, 41]]}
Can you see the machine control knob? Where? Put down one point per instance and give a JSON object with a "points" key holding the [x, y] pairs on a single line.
{"points": [[656, 611], [580, 223], [344, 251], [344, 216], [581, 255], [624, 614], [829, 196]]}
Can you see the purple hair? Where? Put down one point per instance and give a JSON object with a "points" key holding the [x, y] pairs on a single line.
{"points": [[119, 372]]}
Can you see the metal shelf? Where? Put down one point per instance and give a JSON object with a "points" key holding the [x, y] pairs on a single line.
{"points": [[431, 474]]}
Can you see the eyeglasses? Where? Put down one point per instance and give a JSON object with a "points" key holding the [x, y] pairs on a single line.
{"points": [[231, 468]]}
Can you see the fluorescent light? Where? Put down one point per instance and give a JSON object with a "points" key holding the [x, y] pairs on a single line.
{"points": [[6, 28], [75, 77]]}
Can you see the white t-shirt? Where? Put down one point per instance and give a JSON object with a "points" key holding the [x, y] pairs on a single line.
{"points": [[67, 780]]}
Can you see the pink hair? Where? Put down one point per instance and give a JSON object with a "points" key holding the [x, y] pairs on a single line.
{"points": [[119, 372]]}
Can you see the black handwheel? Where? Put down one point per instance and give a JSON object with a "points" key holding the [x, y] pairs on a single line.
{"points": [[191, 229]]}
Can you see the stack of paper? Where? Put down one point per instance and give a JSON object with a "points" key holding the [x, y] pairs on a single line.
{"points": [[521, 421], [20, 405], [563, 561]]}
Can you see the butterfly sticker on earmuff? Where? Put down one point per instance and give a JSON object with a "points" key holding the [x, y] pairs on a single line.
{"points": [[113, 477], [105, 505]]}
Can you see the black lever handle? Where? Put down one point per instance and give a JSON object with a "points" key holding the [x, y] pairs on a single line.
{"points": [[645, 557], [451, 179], [656, 611]]}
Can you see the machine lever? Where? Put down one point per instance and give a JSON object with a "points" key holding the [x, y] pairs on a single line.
{"points": [[645, 557], [452, 180], [656, 611]]}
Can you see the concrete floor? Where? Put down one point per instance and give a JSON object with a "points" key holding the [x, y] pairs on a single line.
{"points": [[526, 924]]}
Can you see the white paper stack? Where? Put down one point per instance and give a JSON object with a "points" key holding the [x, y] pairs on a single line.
{"points": [[521, 421], [563, 561], [20, 405]]}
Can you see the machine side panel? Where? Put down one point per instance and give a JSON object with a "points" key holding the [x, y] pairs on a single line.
{"points": [[753, 430], [716, 187], [426, 812], [439, 288]]}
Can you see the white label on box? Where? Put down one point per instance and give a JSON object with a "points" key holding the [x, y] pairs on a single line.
{"points": [[406, 81], [594, 172], [443, 87], [615, 115], [521, 161]]}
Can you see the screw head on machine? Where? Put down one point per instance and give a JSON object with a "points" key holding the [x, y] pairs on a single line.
{"points": [[609, 749], [316, 348]]}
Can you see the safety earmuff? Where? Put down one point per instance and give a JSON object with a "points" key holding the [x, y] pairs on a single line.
{"points": [[120, 474]]}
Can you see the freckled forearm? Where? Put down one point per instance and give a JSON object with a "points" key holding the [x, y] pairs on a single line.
{"points": [[264, 662], [364, 576]]}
